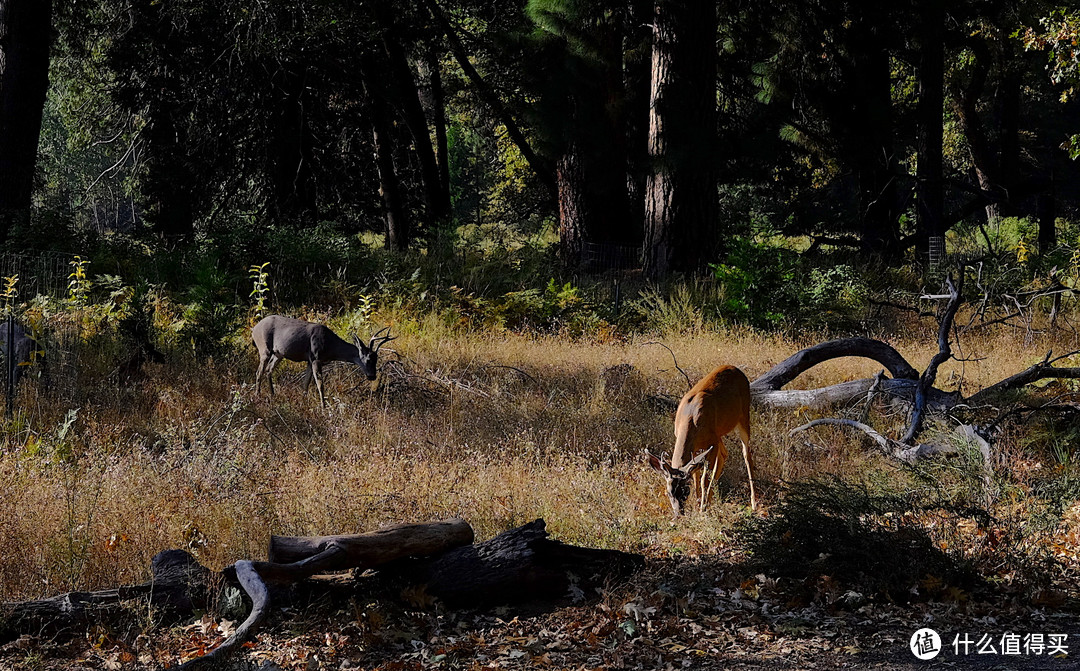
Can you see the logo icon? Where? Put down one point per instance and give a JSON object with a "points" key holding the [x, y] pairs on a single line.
{"points": [[925, 644]]}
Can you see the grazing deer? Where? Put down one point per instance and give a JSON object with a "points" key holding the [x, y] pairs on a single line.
{"points": [[24, 348], [709, 411], [278, 338]]}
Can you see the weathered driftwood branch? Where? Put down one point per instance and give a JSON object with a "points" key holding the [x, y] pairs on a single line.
{"points": [[909, 454], [803, 360], [944, 353]]}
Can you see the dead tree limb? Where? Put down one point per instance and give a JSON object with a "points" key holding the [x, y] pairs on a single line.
{"points": [[1043, 370], [944, 353], [805, 359], [294, 558], [689, 383], [849, 392]]}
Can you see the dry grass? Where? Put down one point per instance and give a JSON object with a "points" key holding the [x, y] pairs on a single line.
{"points": [[498, 429]]}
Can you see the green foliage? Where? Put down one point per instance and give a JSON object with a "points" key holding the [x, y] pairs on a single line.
{"points": [[260, 279], [769, 286], [10, 292], [79, 283]]}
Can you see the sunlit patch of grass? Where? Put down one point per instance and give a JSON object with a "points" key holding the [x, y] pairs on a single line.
{"points": [[497, 428]]}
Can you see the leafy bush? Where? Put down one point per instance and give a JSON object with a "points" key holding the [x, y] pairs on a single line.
{"points": [[770, 286]]}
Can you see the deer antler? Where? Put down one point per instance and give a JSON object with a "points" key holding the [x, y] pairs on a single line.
{"points": [[382, 339]]}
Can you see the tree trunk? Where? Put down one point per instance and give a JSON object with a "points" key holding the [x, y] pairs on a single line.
{"points": [[397, 224], [930, 193], [573, 208], [406, 92], [437, 109], [24, 80], [636, 73], [872, 136], [680, 192]]}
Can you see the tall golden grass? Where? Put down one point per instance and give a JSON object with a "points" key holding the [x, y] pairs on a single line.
{"points": [[497, 428]]}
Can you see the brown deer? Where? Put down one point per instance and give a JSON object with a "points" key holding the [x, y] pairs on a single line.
{"points": [[278, 338], [714, 406]]}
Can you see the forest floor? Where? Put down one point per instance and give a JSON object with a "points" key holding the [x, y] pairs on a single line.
{"points": [[676, 614]]}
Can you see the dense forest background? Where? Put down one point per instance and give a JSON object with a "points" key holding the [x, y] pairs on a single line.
{"points": [[241, 128]]}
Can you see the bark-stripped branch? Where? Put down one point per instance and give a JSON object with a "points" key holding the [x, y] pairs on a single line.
{"points": [[944, 353]]}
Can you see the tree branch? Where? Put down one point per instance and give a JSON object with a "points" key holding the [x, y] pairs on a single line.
{"points": [[944, 353]]}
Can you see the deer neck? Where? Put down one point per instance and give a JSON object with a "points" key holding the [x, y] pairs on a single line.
{"points": [[337, 349]]}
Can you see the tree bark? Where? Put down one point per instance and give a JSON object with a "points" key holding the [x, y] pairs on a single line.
{"points": [[24, 80], [522, 564], [930, 193], [406, 92], [573, 206], [680, 192], [397, 223]]}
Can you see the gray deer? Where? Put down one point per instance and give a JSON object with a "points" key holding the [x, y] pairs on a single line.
{"points": [[278, 337], [24, 345]]}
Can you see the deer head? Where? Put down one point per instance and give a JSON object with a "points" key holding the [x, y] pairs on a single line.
{"points": [[678, 481], [369, 354]]}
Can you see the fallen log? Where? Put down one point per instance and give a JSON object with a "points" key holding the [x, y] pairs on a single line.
{"points": [[179, 587], [519, 565], [305, 556], [375, 548]]}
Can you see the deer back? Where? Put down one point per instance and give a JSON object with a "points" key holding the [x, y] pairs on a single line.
{"points": [[717, 404], [298, 340]]}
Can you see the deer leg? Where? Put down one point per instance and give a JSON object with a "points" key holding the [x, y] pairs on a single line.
{"points": [[271, 362], [744, 438], [316, 367], [259, 373], [710, 474]]}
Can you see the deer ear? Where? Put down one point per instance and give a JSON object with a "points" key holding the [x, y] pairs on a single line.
{"points": [[698, 461], [655, 463], [359, 343]]}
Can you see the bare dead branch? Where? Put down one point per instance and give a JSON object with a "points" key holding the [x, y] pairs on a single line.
{"points": [[688, 382], [1040, 371], [944, 353], [803, 360]]}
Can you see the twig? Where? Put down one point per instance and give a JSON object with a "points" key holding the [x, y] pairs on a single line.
{"points": [[516, 370], [688, 382]]}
